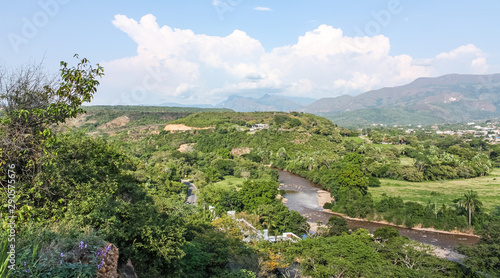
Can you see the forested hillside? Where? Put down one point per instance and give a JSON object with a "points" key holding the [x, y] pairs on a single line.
{"points": [[77, 190]]}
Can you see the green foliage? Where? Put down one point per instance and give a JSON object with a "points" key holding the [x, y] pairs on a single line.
{"points": [[373, 182], [90, 185], [394, 209], [484, 257], [351, 176], [56, 252], [412, 259], [128, 190], [278, 219], [32, 103], [280, 119], [327, 205], [256, 193], [223, 152], [349, 256], [470, 201], [55, 104], [357, 255], [336, 226], [211, 253], [386, 233]]}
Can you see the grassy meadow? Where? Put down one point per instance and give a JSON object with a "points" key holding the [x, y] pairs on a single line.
{"points": [[443, 192], [230, 181]]}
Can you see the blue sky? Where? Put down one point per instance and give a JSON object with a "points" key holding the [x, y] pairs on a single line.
{"points": [[205, 50]]}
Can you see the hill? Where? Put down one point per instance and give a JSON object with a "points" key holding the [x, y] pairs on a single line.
{"points": [[448, 98], [109, 119]]}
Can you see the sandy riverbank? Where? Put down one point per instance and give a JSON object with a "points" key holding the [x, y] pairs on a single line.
{"points": [[446, 254], [324, 197], [440, 252], [401, 226]]}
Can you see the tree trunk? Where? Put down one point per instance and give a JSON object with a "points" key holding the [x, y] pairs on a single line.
{"points": [[470, 216]]}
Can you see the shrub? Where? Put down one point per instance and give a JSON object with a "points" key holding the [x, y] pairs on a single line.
{"points": [[386, 233]]}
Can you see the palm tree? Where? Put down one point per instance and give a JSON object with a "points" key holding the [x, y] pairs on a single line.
{"points": [[470, 202]]}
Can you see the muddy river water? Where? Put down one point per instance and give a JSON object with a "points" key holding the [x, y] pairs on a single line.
{"points": [[302, 196]]}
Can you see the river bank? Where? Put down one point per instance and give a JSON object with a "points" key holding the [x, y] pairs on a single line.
{"points": [[325, 197], [386, 223], [308, 199], [444, 253]]}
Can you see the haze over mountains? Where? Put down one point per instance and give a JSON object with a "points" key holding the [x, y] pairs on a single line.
{"points": [[248, 104], [448, 98]]}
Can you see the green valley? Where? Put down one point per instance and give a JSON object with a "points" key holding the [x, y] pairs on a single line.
{"points": [[85, 185]]}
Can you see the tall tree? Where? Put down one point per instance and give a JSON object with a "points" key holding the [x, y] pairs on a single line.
{"points": [[469, 201], [32, 102]]}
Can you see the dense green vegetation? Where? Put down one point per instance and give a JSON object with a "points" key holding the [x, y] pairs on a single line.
{"points": [[387, 116], [442, 192], [75, 192], [358, 254], [96, 117]]}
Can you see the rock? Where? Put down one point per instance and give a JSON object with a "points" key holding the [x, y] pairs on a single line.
{"points": [[128, 271], [118, 122], [108, 262]]}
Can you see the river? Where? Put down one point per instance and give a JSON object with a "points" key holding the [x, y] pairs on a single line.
{"points": [[302, 196]]}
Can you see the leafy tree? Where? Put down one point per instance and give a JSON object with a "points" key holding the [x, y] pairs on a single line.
{"points": [[32, 102], [280, 119], [373, 182], [484, 257], [255, 193], [89, 183], [413, 259], [215, 254], [386, 233], [352, 176], [339, 256], [351, 201], [336, 226], [294, 122], [223, 152], [212, 175], [469, 201], [229, 200]]}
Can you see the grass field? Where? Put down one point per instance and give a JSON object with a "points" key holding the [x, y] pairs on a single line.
{"points": [[444, 192], [407, 161], [230, 181]]}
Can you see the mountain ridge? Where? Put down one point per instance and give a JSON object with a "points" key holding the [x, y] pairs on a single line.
{"points": [[452, 97]]}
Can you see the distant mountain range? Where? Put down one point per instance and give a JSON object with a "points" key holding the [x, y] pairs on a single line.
{"points": [[174, 104], [248, 104], [427, 100], [265, 103], [448, 98]]}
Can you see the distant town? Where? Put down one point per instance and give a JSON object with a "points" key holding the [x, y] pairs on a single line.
{"points": [[489, 130]]}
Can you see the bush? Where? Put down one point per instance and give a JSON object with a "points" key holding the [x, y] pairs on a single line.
{"points": [[327, 205], [336, 226], [56, 251], [386, 233]]}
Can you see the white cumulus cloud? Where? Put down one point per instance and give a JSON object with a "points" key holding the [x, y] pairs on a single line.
{"points": [[265, 9], [176, 65]]}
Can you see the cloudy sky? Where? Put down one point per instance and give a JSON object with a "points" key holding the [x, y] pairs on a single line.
{"points": [[202, 51]]}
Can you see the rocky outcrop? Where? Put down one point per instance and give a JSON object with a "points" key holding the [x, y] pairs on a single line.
{"points": [[108, 262], [128, 271], [118, 122]]}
